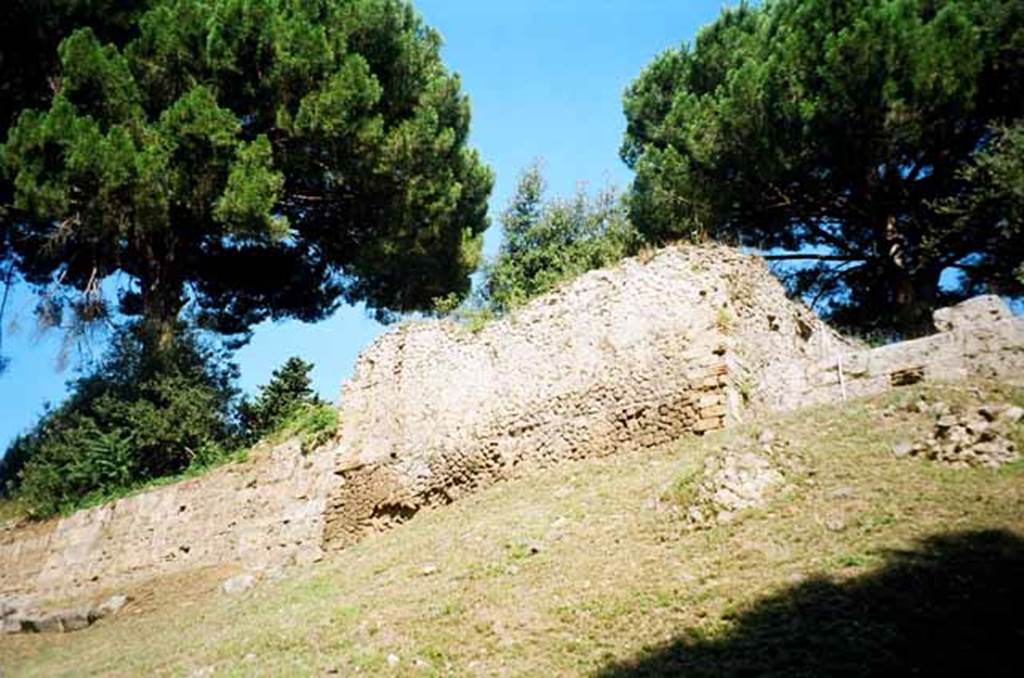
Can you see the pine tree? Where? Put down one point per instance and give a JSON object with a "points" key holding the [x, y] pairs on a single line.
{"points": [[250, 159], [854, 136]]}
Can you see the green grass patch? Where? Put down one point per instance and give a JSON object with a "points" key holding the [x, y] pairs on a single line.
{"points": [[314, 425]]}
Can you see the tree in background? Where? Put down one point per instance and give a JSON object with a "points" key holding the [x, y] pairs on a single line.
{"points": [[877, 140], [251, 159], [549, 241], [30, 31], [288, 391], [208, 164]]}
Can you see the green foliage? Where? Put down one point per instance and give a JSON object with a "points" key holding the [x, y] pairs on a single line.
{"points": [[30, 31], [873, 138], [473, 313], [476, 318], [315, 424], [137, 416], [288, 395], [550, 241], [255, 158], [724, 320], [686, 487], [992, 200]]}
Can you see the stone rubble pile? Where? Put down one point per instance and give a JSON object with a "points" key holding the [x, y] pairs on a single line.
{"points": [[738, 478], [19, 615], [979, 436]]}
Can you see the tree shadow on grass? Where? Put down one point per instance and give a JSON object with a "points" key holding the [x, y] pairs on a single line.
{"points": [[954, 606]]}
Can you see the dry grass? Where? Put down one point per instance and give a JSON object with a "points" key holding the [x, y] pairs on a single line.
{"points": [[10, 511], [580, 569]]}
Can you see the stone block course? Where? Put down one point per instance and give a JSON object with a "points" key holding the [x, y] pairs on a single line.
{"points": [[265, 512]]}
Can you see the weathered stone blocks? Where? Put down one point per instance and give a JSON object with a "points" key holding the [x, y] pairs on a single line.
{"points": [[630, 357], [626, 358], [240, 513]]}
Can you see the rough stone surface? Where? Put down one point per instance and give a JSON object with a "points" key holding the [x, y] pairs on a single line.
{"points": [[111, 605], [688, 340], [981, 348], [12, 609], [738, 478], [238, 584], [26, 617], [975, 437], [630, 357], [19, 614], [9, 605], [972, 313]]}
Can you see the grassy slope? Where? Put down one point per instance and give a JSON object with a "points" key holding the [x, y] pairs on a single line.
{"points": [[576, 570]]}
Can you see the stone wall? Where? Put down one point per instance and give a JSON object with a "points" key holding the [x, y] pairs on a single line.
{"points": [[629, 357], [264, 513], [978, 339]]}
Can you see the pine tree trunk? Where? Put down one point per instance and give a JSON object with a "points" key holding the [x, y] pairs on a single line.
{"points": [[161, 305], [912, 294]]}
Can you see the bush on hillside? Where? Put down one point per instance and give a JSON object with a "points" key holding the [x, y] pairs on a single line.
{"points": [[140, 414], [288, 394]]}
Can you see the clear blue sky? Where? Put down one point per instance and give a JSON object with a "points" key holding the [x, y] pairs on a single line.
{"points": [[545, 78]]}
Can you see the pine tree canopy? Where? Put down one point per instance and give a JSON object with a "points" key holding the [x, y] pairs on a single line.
{"points": [[878, 140], [247, 159]]}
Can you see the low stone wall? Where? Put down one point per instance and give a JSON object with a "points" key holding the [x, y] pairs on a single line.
{"points": [[980, 339], [266, 513]]}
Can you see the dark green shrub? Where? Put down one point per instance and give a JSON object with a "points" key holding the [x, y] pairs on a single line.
{"points": [[287, 395], [315, 424], [142, 413]]}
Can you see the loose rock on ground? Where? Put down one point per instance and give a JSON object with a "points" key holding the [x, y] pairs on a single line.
{"points": [[975, 437], [20, 615], [738, 478]]}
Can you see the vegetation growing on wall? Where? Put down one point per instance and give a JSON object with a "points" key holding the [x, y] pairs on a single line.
{"points": [[548, 241], [287, 405], [288, 391]]}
